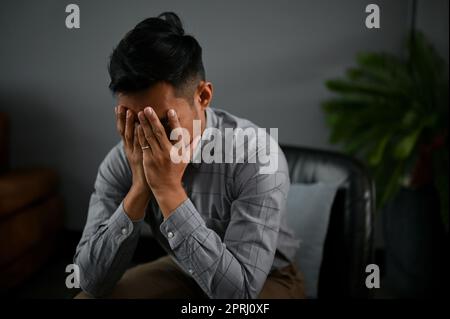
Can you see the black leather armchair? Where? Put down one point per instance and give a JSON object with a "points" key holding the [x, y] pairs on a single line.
{"points": [[349, 242]]}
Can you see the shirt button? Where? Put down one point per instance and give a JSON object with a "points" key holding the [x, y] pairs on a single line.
{"points": [[170, 234], [124, 231]]}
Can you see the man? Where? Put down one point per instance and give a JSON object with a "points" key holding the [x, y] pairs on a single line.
{"points": [[223, 224]]}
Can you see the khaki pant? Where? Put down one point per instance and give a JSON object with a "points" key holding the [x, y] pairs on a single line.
{"points": [[163, 279]]}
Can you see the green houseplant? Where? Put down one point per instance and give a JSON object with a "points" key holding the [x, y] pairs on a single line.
{"points": [[392, 113]]}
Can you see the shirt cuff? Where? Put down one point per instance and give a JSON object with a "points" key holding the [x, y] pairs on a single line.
{"points": [[183, 221], [121, 224]]}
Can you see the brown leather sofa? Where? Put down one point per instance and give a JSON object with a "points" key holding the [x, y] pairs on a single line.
{"points": [[31, 216]]}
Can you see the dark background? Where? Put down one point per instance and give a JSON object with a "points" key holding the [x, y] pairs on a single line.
{"points": [[268, 61]]}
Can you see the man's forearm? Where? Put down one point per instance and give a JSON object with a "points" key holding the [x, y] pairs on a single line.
{"points": [[209, 259], [169, 199], [135, 202], [106, 247]]}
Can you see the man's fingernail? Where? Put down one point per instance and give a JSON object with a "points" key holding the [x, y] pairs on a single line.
{"points": [[172, 112], [149, 110], [128, 113]]}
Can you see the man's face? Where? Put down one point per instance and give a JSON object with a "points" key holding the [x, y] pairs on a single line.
{"points": [[161, 97]]}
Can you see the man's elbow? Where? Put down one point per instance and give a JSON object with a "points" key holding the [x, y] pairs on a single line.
{"points": [[90, 283]]}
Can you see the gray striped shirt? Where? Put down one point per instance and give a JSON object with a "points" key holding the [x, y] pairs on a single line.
{"points": [[228, 235]]}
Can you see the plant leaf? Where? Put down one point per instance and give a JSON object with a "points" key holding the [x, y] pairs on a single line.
{"points": [[376, 156], [404, 148]]}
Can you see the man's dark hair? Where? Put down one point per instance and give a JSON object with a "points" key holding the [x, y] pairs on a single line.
{"points": [[156, 50]]}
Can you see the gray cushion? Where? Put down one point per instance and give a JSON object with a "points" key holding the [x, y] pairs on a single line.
{"points": [[308, 208]]}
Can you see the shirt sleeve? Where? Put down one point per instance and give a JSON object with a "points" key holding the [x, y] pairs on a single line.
{"points": [[110, 237], [236, 267]]}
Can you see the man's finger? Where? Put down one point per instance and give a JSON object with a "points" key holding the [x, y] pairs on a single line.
{"points": [[129, 127], [173, 119], [142, 140], [136, 144], [174, 124], [120, 120], [148, 133], [157, 128], [193, 146]]}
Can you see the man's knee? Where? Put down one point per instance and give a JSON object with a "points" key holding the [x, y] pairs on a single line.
{"points": [[83, 295], [160, 279], [285, 283]]}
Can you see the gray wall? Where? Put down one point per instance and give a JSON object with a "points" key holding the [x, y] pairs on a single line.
{"points": [[267, 60], [432, 19]]}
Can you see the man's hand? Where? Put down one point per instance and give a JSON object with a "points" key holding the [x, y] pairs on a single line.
{"points": [[139, 194], [163, 175]]}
